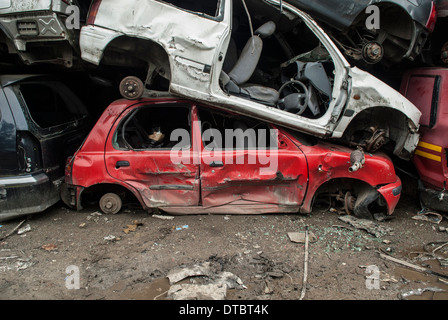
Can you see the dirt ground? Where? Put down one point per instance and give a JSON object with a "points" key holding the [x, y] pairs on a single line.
{"points": [[129, 255]]}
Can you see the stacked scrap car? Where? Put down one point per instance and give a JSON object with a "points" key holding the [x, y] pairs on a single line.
{"points": [[38, 32], [402, 29], [42, 122], [204, 67], [179, 156]]}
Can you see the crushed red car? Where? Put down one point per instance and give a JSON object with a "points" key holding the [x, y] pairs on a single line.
{"points": [[182, 157]]}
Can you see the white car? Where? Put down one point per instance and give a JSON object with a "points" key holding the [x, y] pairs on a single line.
{"points": [[261, 58], [39, 31]]}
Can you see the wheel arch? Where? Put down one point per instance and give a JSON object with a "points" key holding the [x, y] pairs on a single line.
{"points": [[144, 55], [395, 123], [340, 186], [394, 18], [94, 192]]}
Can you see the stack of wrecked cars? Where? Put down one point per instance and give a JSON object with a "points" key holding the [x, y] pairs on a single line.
{"points": [[262, 64], [246, 106], [264, 59]]}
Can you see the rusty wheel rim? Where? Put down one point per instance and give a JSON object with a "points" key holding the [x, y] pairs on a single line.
{"points": [[110, 203], [131, 88]]}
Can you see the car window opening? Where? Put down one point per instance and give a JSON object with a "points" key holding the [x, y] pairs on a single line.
{"points": [[50, 104], [153, 127], [226, 131], [209, 7], [281, 63]]}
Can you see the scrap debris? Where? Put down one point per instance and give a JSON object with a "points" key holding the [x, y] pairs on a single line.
{"points": [[162, 217], [369, 226], [22, 261], [418, 292], [429, 216], [413, 266], [215, 287], [24, 230], [12, 231], [300, 237]]}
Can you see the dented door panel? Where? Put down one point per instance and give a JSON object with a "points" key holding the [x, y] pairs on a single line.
{"points": [[256, 177], [159, 181]]}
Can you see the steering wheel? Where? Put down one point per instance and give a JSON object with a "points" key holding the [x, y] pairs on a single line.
{"points": [[294, 101]]}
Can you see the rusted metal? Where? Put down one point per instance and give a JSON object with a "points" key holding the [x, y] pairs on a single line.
{"points": [[132, 88]]}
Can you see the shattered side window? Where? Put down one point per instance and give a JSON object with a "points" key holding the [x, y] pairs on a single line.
{"points": [[151, 127], [208, 7]]}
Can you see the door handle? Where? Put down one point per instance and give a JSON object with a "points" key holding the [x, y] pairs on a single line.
{"points": [[215, 164], [121, 164]]}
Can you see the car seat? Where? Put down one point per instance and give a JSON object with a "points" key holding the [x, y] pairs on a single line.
{"points": [[235, 82]]}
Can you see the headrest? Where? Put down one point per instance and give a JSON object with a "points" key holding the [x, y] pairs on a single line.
{"points": [[266, 30]]}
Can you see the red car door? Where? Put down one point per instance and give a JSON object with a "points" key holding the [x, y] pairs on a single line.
{"points": [[250, 167], [426, 88], [136, 154]]}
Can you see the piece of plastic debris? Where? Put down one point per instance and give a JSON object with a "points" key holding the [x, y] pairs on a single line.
{"points": [[429, 216], [22, 265], [25, 229], [178, 274], [215, 289], [183, 227], [110, 238], [162, 217], [419, 292], [368, 225]]}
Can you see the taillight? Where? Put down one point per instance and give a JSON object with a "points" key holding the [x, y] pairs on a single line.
{"points": [[431, 24], [68, 169], [93, 11]]}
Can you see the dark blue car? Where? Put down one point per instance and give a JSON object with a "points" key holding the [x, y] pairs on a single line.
{"points": [[41, 122]]}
